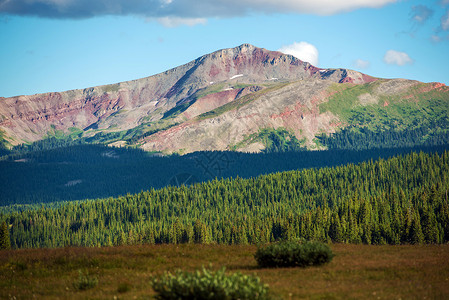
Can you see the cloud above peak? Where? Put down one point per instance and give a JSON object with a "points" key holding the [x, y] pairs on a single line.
{"points": [[362, 64], [393, 57], [181, 9], [302, 50]]}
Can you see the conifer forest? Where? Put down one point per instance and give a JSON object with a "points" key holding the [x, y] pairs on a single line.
{"points": [[399, 200]]}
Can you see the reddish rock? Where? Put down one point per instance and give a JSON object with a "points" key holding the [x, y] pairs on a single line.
{"points": [[125, 105]]}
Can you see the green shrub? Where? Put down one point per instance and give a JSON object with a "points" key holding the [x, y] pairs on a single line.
{"points": [[293, 254], [207, 284], [85, 281]]}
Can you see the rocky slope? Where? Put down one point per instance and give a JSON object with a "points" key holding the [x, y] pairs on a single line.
{"points": [[306, 108], [216, 102], [125, 105]]}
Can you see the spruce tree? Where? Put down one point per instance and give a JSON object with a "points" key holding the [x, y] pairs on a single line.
{"points": [[5, 243]]}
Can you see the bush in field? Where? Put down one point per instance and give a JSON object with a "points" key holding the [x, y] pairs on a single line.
{"points": [[207, 284], [293, 254], [85, 281]]}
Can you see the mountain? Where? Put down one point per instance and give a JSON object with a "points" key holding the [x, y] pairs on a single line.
{"points": [[231, 99]]}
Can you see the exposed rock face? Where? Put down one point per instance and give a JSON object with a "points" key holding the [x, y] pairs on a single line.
{"points": [[216, 102], [125, 105], [294, 106]]}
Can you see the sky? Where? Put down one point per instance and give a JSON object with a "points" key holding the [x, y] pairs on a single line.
{"points": [[58, 45]]}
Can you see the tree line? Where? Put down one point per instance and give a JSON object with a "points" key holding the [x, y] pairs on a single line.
{"points": [[362, 138], [96, 171], [394, 201]]}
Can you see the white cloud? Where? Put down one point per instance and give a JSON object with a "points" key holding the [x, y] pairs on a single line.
{"points": [[318, 7], [78, 9], [445, 21], [175, 21], [362, 64], [393, 57], [302, 50]]}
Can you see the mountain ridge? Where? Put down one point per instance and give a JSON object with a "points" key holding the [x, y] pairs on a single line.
{"points": [[145, 108]]}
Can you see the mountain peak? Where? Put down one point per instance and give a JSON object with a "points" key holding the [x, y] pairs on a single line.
{"points": [[126, 105], [242, 48], [254, 64], [246, 46]]}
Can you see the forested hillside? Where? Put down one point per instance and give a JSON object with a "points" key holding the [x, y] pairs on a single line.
{"points": [[398, 200], [39, 174]]}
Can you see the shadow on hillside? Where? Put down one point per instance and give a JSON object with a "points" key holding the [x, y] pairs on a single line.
{"points": [[96, 171]]}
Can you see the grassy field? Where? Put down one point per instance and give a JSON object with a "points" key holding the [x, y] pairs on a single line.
{"points": [[356, 272]]}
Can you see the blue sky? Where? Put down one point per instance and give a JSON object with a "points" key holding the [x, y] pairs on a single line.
{"points": [[58, 45]]}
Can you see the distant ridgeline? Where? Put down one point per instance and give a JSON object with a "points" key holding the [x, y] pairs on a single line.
{"points": [[399, 200]]}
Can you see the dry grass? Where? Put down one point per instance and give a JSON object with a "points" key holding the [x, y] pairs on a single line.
{"points": [[357, 271]]}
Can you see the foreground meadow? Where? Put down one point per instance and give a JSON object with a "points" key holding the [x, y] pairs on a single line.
{"points": [[124, 272]]}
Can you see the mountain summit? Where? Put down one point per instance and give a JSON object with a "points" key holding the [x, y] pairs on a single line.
{"points": [[215, 102]]}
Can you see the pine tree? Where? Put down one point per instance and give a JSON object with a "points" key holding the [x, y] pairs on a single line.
{"points": [[429, 227], [335, 230], [5, 243], [416, 236], [200, 235]]}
